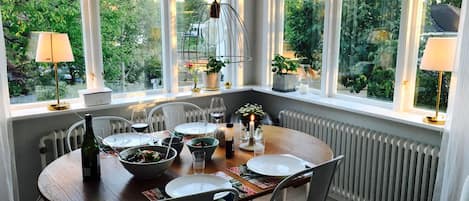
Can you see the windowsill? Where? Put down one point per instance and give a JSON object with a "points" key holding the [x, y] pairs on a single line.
{"points": [[31, 111], [412, 119]]}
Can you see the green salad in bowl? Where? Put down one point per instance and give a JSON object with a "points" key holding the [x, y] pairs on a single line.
{"points": [[147, 162]]}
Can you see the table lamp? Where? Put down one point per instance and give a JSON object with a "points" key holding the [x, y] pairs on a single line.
{"points": [[54, 48], [438, 56]]}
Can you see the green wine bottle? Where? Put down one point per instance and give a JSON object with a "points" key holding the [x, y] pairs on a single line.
{"points": [[90, 153]]}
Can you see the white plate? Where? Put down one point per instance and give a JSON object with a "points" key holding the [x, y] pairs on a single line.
{"points": [[192, 184], [195, 128], [125, 140], [275, 165]]}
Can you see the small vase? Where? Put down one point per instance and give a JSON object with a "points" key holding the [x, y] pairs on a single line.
{"points": [[195, 88]]}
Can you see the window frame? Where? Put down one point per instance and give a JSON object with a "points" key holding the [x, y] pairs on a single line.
{"points": [[406, 60], [93, 57]]}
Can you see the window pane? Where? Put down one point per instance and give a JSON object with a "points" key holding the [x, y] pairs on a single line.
{"points": [[426, 85], [131, 44], [29, 81], [368, 47], [303, 37], [189, 27]]}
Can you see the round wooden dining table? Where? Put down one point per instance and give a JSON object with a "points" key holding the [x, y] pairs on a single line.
{"points": [[62, 179]]}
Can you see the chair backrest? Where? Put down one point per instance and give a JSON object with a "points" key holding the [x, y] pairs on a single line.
{"points": [[321, 178], [206, 196], [175, 113], [102, 127]]}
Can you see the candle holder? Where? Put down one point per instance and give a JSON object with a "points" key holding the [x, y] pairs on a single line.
{"points": [[251, 144]]}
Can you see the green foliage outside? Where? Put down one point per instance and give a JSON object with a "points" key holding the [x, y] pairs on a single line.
{"points": [[304, 29], [368, 45], [131, 42], [20, 20], [48, 92]]}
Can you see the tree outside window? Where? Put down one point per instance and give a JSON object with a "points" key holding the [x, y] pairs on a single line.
{"points": [[426, 85], [131, 44], [303, 37], [29, 81], [368, 48]]}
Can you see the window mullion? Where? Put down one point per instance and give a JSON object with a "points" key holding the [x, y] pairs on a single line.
{"points": [[406, 65], [263, 39], [169, 42], [92, 44], [331, 47]]}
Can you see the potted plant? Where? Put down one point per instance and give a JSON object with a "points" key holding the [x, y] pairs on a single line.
{"points": [[212, 77], [247, 110], [284, 78]]}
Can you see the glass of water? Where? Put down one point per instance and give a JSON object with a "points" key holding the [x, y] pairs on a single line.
{"points": [[259, 147], [198, 162]]}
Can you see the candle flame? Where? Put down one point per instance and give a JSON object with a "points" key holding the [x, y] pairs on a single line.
{"points": [[253, 117]]}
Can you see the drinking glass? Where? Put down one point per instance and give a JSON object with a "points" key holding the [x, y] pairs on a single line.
{"points": [[198, 162], [217, 106], [138, 119], [259, 147]]}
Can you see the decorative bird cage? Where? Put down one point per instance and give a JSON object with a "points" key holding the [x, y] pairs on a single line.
{"points": [[218, 32]]}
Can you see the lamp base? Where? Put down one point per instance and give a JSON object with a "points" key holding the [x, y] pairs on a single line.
{"points": [[60, 106], [434, 120]]}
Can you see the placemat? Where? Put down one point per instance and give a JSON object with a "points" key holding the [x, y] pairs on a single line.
{"points": [[156, 194], [261, 181]]}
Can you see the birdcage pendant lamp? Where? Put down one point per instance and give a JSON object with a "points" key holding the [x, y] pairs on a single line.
{"points": [[218, 32]]}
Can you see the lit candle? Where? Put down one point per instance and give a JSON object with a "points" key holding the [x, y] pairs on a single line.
{"points": [[251, 124], [251, 130]]}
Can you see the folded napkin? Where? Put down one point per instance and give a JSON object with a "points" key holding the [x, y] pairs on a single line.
{"points": [[156, 194], [259, 180]]}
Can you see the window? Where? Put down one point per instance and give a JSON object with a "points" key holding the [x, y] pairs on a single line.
{"points": [[303, 37], [131, 44], [427, 81], [368, 48], [29, 81], [188, 29]]}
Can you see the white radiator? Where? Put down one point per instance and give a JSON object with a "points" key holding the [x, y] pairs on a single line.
{"points": [[377, 166], [54, 144]]}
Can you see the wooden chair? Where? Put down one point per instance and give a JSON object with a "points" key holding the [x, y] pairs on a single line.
{"points": [[320, 181], [175, 113], [206, 196], [103, 126]]}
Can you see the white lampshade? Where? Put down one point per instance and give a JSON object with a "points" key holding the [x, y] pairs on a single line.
{"points": [[53, 47], [439, 54]]}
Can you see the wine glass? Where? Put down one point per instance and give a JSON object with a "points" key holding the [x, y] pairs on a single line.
{"points": [[138, 119], [217, 108]]}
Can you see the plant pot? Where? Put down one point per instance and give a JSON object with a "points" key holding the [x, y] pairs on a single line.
{"points": [[211, 81], [285, 82]]}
